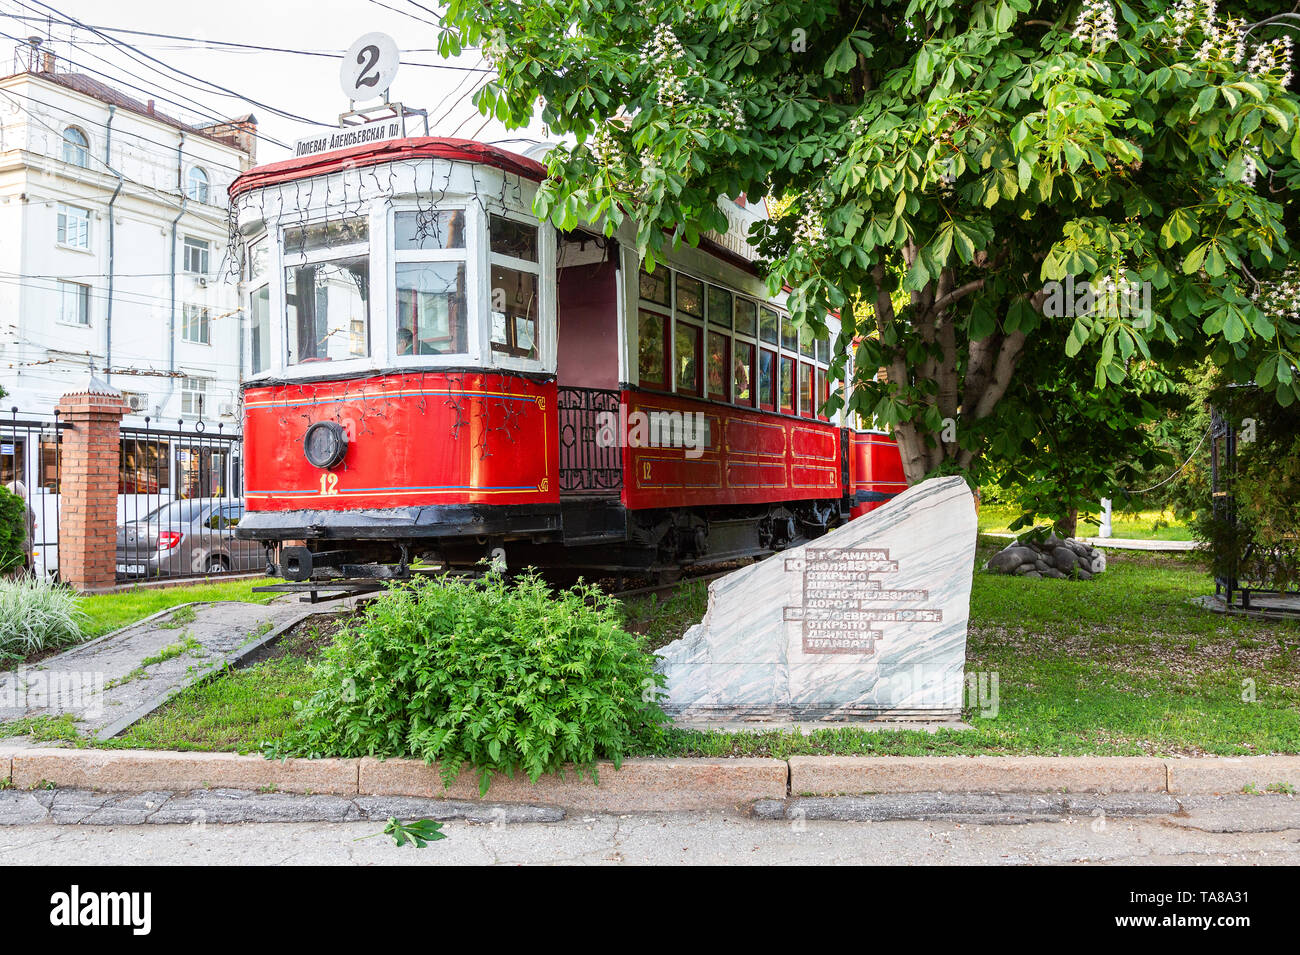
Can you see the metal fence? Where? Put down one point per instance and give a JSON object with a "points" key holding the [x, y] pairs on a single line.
{"points": [[179, 496], [1243, 567], [30, 458]]}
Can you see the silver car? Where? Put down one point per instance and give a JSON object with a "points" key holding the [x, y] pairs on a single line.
{"points": [[187, 538]]}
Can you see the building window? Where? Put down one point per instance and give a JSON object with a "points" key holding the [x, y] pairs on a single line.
{"points": [[76, 147], [144, 467], [194, 395], [74, 227], [74, 303], [196, 185], [195, 325], [196, 255]]}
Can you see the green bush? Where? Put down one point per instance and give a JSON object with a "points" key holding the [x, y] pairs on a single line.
{"points": [[36, 615], [13, 531], [496, 674]]}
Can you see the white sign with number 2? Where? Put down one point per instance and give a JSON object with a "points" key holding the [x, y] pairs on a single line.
{"points": [[369, 67]]}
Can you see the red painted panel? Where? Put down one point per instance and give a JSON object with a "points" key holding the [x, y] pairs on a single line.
{"points": [[750, 458], [875, 466], [418, 438]]}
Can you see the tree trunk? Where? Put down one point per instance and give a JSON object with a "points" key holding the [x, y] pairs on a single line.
{"points": [[1069, 524]]}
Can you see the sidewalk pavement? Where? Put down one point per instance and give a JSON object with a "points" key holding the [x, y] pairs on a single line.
{"points": [[112, 681]]}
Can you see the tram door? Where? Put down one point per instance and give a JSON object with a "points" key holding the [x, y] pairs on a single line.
{"points": [[587, 373]]}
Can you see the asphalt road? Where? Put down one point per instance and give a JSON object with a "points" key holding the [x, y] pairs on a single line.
{"points": [[1235, 830]]}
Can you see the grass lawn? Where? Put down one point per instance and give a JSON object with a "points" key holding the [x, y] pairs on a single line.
{"points": [[108, 612], [1145, 525], [1120, 665]]}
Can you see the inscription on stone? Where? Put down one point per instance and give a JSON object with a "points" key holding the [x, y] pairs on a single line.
{"points": [[847, 606]]}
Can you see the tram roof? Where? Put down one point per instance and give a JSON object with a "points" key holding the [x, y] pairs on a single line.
{"points": [[423, 147], [392, 150]]}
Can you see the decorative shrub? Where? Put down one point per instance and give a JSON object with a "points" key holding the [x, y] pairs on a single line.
{"points": [[36, 615], [13, 531], [498, 674]]}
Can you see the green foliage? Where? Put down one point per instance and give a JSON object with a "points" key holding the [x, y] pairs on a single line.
{"points": [[419, 833], [36, 615], [13, 531], [498, 675], [946, 159]]}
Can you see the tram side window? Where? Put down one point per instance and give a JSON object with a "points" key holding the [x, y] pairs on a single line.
{"points": [[327, 291], [260, 332], [513, 304], [432, 314], [767, 379], [514, 312], [718, 365], [805, 389], [742, 374], [787, 384], [651, 353]]}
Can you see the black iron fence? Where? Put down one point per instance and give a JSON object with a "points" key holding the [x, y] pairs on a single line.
{"points": [[30, 457], [1243, 566], [590, 462], [180, 498]]}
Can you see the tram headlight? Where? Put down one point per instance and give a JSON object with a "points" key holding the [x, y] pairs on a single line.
{"points": [[325, 444]]}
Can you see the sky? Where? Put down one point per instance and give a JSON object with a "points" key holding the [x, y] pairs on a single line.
{"points": [[304, 85]]}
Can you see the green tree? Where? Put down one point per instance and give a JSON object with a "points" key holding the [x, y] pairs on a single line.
{"points": [[947, 159]]}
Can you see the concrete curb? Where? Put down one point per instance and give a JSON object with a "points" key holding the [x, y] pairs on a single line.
{"points": [[650, 785]]}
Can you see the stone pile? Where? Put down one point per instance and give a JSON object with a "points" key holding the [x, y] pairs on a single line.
{"points": [[1049, 556]]}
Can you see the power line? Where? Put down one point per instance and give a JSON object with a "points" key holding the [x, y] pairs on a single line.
{"points": [[148, 92], [405, 13], [216, 86], [195, 43]]}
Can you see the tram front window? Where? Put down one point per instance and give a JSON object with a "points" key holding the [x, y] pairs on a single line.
{"points": [[327, 291], [432, 314], [328, 310]]}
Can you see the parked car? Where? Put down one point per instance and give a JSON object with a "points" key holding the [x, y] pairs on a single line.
{"points": [[184, 538]]}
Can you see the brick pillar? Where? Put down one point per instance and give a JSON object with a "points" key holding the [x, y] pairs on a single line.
{"points": [[88, 495]]}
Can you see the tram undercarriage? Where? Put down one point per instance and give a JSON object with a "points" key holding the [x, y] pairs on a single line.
{"points": [[593, 537]]}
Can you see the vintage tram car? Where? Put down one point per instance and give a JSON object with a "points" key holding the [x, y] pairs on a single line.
{"points": [[433, 375]]}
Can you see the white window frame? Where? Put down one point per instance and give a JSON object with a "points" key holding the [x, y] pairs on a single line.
{"points": [[62, 221], [205, 185], [206, 253], [544, 269], [83, 294], [475, 224], [194, 315], [188, 393], [82, 161]]}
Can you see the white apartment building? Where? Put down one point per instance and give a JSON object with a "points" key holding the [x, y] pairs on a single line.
{"points": [[113, 251]]}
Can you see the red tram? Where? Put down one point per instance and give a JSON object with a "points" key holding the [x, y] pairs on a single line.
{"points": [[437, 376]]}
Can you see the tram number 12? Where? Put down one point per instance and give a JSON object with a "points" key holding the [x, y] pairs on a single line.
{"points": [[329, 484]]}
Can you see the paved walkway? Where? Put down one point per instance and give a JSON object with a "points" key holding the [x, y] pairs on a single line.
{"points": [[110, 682], [1203, 831]]}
